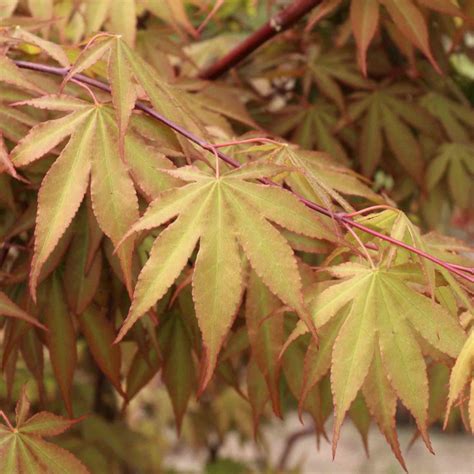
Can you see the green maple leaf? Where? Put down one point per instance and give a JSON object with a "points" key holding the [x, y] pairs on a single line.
{"points": [[382, 318], [386, 113], [91, 155], [333, 67], [317, 176], [224, 214], [312, 127], [455, 116], [396, 224], [23, 449], [457, 162]]}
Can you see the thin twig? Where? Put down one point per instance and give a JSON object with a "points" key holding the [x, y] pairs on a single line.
{"points": [[369, 209], [88, 89], [278, 23], [215, 9], [246, 140], [340, 217], [290, 442], [362, 246]]}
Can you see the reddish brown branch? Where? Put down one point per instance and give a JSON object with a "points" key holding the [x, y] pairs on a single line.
{"points": [[278, 23]]}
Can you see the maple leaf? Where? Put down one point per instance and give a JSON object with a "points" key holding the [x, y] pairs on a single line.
{"points": [[265, 332], [411, 23], [102, 15], [5, 163], [317, 176], [461, 376], [125, 67], [51, 49], [327, 69], [14, 124], [23, 449], [457, 162], [223, 214], [178, 367], [318, 403], [455, 251], [396, 224], [407, 17], [456, 117], [90, 155], [386, 110], [312, 127], [10, 309], [384, 319], [174, 13], [364, 16], [13, 75]]}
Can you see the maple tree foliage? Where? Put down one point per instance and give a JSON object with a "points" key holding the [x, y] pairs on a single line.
{"points": [[274, 239]]}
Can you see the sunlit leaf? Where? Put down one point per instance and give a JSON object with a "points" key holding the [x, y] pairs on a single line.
{"points": [[214, 212]]}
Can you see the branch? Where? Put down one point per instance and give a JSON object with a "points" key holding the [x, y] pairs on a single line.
{"points": [[343, 219], [278, 23], [289, 445]]}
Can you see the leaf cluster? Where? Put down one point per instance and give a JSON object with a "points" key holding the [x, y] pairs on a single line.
{"points": [[245, 239]]}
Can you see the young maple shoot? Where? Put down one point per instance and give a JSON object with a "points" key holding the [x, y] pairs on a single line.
{"points": [[181, 223]]}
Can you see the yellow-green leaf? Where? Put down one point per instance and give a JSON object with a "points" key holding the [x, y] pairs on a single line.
{"points": [[114, 200], [217, 282], [461, 373]]}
